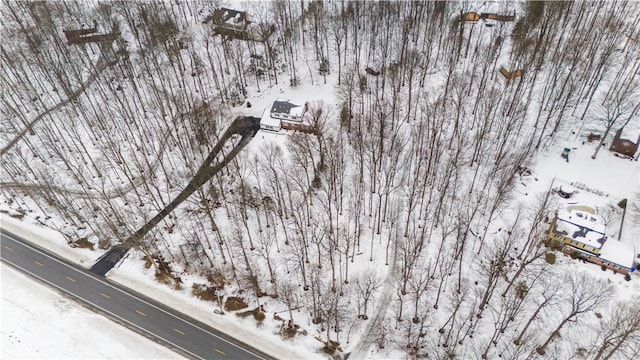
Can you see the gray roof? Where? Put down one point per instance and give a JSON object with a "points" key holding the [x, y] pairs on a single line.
{"points": [[283, 107]]}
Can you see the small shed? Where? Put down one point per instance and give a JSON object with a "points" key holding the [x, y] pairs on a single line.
{"points": [[593, 137], [511, 74], [470, 16], [226, 16], [566, 191], [624, 147]]}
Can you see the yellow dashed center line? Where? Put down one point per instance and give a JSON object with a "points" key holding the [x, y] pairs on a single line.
{"points": [[71, 279], [143, 314], [39, 264], [8, 248], [178, 331], [220, 352], [105, 295]]}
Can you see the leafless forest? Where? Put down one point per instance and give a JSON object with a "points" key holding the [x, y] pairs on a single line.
{"points": [[396, 225]]}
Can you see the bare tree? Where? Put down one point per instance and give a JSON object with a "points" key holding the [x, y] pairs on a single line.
{"points": [[549, 296], [495, 264], [584, 296], [619, 109], [531, 250], [368, 284], [287, 292], [619, 333]]}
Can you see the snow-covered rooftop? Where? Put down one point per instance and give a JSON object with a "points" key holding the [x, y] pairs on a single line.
{"points": [[582, 226], [297, 111], [286, 107], [618, 253], [592, 202], [267, 120]]}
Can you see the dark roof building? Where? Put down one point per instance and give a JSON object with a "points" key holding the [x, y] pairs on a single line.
{"points": [[624, 147], [223, 15]]}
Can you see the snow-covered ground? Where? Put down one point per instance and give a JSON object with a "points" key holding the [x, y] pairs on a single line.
{"points": [[40, 323], [611, 175], [615, 177]]}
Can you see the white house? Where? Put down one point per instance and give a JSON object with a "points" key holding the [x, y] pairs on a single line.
{"points": [[286, 111], [267, 122]]}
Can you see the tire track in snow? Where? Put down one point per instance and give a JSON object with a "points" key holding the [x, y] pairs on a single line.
{"points": [[74, 95], [362, 348]]}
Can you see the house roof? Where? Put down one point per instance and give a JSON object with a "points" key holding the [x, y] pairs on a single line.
{"points": [[623, 146], [618, 253], [582, 226], [268, 120], [285, 107], [224, 14]]}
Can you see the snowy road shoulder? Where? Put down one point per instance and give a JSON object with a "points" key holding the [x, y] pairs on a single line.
{"points": [[130, 273], [49, 239]]}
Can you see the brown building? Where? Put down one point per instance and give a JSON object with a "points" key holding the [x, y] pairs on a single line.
{"points": [[624, 147]]}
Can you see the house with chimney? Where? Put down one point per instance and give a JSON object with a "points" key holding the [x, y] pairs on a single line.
{"points": [[588, 225], [287, 111]]}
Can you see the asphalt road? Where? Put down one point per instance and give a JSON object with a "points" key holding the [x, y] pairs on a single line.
{"points": [[180, 333]]}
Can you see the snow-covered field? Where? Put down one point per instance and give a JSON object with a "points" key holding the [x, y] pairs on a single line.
{"points": [[38, 322], [409, 208]]}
